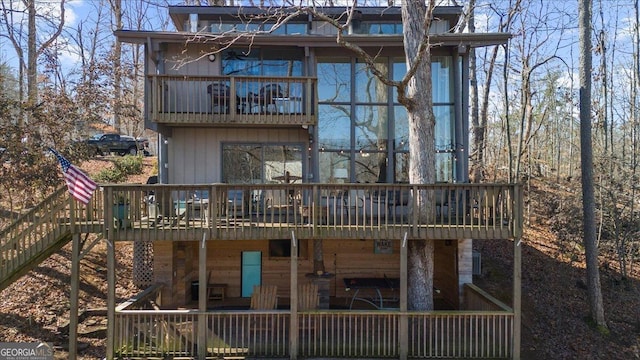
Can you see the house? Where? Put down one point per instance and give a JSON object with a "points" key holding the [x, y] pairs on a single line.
{"points": [[307, 152], [283, 163]]}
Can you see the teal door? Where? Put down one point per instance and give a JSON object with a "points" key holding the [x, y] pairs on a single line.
{"points": [[251, 271]]}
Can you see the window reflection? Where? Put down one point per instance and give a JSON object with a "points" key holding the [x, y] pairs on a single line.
{"points": [[444, 131], [334, 167], [369, 88], [371, 128], [261, 163], [334, 81], [366, 130], [371, 167], [334, 128]]}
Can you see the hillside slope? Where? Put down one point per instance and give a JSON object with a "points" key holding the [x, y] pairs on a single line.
{"points": [[554, 294]]}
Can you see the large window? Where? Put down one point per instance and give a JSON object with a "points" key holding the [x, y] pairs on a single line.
{"points": [[261, 163], [365, 131], [259, 62]]}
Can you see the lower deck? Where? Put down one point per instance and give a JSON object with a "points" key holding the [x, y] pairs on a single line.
{"points": [[484, 329]]}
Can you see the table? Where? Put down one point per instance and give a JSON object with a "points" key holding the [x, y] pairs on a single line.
{"points": [[375, 298]]}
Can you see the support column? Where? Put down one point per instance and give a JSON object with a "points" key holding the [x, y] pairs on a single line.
{"points": [[517, 272], [517, 296], [111, 273], [403, 328], [111, 297], [202, 298], [293, 319], [73, 301]]}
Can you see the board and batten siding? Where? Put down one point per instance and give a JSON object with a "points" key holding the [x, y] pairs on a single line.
{"points": [[195, 153], [189, 95]]}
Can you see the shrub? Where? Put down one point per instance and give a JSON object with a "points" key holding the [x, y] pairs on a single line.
{"points": [[122, 167], [129, 165]]}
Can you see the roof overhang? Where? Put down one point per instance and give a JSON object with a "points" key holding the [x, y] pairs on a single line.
{"points": [[470, 40]]}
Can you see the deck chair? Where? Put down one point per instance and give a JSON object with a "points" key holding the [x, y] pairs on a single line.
{"points": [[264, 297], [308, 297], [215, 291]]}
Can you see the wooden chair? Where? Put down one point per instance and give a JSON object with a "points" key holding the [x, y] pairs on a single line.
{"points": [[215, 291], [264, 297], [308, 297]]}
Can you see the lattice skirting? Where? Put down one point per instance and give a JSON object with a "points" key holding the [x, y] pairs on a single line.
{"points": [[142, 263]]}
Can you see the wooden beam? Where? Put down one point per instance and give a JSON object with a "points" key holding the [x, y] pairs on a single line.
{"points": [[111, 275], [73, 297], [517, 297], [202, 298], [403, 331], [293, 318]]}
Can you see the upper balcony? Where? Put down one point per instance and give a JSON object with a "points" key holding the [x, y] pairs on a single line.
{"points": [[232, 100]]}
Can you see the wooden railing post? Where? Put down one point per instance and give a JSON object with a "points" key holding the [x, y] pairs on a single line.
{"points": [[403, 326], [73, 296], [517, 273], [293, 317], [202, 298]]}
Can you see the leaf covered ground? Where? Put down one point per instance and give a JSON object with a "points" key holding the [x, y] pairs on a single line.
{"points": [[555, 321]]}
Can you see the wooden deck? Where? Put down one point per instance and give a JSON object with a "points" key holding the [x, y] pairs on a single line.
{"points": [[334, 333], [316, 211]]}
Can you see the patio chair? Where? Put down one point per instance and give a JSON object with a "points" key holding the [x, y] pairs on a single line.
{"points": [[267, 98], [308, 297], [215, 291], [264, 297], [220, 94]]}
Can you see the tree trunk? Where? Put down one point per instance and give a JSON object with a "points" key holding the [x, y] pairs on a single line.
{"points": [[32, 56], [416, 20], [588, 201], [116, 8]]}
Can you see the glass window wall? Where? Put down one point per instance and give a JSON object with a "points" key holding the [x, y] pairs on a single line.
{"points": [[361, 127]]}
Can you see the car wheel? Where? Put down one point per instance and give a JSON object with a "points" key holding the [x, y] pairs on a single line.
{"points": [[133, 151]]}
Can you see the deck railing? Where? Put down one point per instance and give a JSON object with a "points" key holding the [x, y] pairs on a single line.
{"points": [[40, 231], [238, 100], [326, 333], [333, 211]]}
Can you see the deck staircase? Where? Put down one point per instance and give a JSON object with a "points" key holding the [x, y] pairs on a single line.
{"points": [[34, 236]]}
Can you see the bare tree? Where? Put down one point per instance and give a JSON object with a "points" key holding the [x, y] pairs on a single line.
{"points": [[588, 201], [35, 48]]}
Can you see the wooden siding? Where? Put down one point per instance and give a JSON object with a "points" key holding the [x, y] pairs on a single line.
{"points": [[190, 63], [195, 153], [342, 258]]}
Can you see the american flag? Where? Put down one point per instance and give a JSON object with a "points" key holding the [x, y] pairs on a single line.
{"points": [[80, 185]]}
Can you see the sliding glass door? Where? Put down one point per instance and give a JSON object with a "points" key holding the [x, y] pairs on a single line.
{"points": [[262, 163]]}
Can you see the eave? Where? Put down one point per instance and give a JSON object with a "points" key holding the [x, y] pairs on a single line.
{"points": [[438, 40]]}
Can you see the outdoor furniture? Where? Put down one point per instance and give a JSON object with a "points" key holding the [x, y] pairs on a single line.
{"points": [[220, 94], [370, 290], [215, 291], [266, 98], [308, 297], [264, 297]]}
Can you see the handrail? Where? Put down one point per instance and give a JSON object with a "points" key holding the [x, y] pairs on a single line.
{"points": [[261, 211], [477, 299], [31, 237], [322, 333], [240, 100]]}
